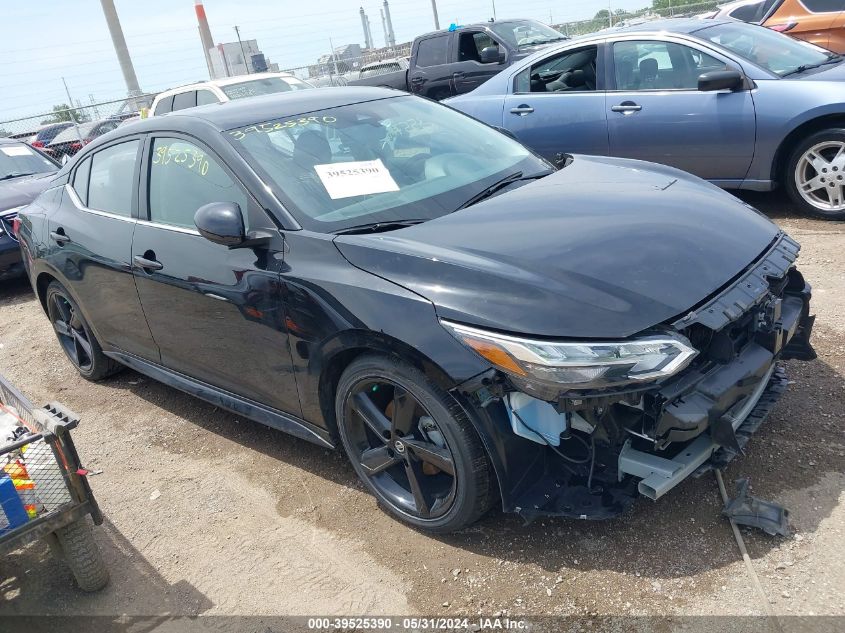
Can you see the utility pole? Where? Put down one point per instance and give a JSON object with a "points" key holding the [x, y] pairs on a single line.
{"points": [[243, 54], [436, 20], [120, 48], [493, 2]]}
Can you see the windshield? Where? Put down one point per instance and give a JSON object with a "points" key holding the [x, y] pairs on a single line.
{"points": [[16, 159], [263, 86], [74, 133], [777, 53], [391, 160], [526, 33]]}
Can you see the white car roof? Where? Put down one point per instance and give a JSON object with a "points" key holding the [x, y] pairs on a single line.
{"points": [[227, 81]]}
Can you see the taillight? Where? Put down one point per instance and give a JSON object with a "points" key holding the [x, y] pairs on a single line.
{"points": [[783, 28], [16, 226], [76, 146], [38, 144]]}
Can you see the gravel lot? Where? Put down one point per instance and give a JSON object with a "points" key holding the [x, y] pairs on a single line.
{"points": [[209, 514]]}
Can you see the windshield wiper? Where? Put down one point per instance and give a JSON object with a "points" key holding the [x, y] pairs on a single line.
{"points": [[17, 175], [379, 227], [504, 182], [804, 67]]}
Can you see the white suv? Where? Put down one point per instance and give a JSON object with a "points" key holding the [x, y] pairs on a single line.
{"points": [[222, 90]]}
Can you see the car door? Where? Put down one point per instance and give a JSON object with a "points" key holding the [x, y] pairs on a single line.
{"points": [[468, 72], [557, 105], [431, 72], [655, 111], [91, 243], [215, 312]]}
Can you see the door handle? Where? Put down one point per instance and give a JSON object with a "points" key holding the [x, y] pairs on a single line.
{"points": [[59, 237], [416, 80], [522, 109], [457, 75], [626, 107], [147, 264]]}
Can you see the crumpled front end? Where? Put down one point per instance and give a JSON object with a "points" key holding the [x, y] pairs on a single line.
{"points": [[604, 449]]}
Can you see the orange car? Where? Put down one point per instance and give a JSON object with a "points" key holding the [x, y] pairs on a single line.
{"points": [[821, 22]]}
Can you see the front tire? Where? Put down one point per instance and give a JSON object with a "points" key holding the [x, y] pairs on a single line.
{"points": [[815, 174], [412, 445], [78, 342]]}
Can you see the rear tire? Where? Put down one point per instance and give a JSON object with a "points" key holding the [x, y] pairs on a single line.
{"points": [[815, 174], [75, 336], [433, 472], [82, 555]]}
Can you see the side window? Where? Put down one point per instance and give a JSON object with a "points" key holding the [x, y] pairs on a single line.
{"points": [[184, 177], [164, 106], [204, 97], [184, 100], [824, 6], [653, 65], [471, 44], [80, 180], [433, 51], [112, 178], [570, 71]]}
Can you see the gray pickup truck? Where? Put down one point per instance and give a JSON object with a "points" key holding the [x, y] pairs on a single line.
{"points": [[454, 61]]}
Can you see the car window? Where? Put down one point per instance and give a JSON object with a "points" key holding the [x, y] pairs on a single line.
{"points": [[80, 180], [433, 51], [654, 65], [205, 97], [824, 6], [17, 159], [164, 106], [112, 178], [184, 100], [471, 44], [526, 33], [184, 177], [263, 86], [74, 133], [392, 159], [570, 71]]}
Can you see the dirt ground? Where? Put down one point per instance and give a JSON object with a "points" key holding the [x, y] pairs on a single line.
{"points": [[210, 514]]}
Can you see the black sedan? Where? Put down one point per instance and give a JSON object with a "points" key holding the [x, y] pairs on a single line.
{"points": [[24, 173], [473, 325]]}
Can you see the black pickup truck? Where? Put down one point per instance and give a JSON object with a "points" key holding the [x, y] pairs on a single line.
{"points": [[451, 62]]}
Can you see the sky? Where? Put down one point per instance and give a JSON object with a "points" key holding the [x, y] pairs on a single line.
{"points": [[47, 40]]}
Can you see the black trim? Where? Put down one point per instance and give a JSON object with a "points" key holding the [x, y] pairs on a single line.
{"points": [[227, 400]]}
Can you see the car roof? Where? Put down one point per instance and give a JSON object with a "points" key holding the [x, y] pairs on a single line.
{"points": [[225, 81], [239, 112], [670, 25], [10, 141]]}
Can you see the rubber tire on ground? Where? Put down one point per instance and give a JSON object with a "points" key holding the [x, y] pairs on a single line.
{"points": [[476, 487], [82, 555], [102, 366], [830, 134]]}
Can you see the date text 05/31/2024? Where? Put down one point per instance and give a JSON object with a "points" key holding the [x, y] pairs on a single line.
{"points": [[417, 624]]}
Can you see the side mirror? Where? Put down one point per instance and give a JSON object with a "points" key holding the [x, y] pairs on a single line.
{"points": [[221, 223], [492, 55], [720, 80]]}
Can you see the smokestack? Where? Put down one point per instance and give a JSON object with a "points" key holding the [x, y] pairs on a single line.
{"points": [[384, 28], [365, 24], [370, 34], [120, 48], [391, 36], [205, 36]]}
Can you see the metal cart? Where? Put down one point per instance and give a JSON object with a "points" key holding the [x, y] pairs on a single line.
{"points": [[43, 489]]}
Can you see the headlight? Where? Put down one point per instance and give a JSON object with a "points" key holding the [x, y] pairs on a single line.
{"points": [[579, 365]]}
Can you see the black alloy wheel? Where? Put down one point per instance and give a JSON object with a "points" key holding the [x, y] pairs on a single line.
{"points": [[411, 447], [75, 337]]}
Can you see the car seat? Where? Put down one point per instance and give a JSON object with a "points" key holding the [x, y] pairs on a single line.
{"points": [[625, 75], [648, 73]]}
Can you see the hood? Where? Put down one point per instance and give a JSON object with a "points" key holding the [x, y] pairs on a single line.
{"points": [[603, 248], [833, 72], [20, 191]]}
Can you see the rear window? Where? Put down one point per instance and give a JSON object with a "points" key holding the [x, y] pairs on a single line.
{"points": [[164, 106], [184, 100], [433, 51], [112, 176], [263, 86]]}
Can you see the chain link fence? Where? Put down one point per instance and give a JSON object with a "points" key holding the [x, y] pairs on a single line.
{"points": [[73, 126], [617, 19]]}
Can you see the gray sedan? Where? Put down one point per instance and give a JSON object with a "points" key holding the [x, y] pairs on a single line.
{"points": [[740, 105]]}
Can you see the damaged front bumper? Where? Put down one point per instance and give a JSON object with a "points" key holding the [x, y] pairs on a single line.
{"points": [[649, 441]]}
